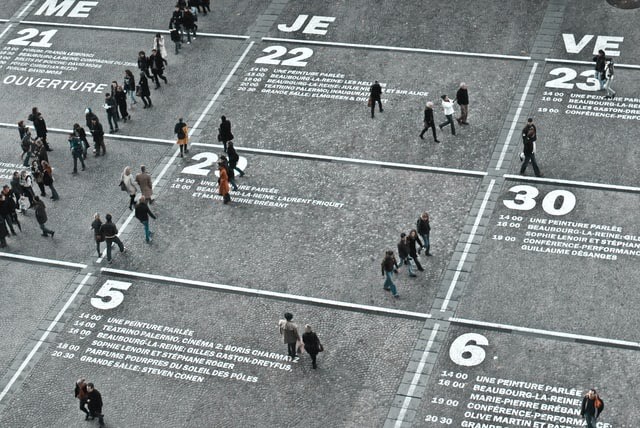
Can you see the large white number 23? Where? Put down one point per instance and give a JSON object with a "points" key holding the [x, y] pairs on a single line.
{"points": [[30, 33], [110, 290], [567, 75], [525, 200]]}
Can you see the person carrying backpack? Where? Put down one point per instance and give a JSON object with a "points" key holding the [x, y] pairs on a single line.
{"points": [[182, 131], [592, 406], [77, 151]]}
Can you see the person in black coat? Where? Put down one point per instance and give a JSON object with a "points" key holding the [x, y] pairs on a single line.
{"points": [[311, 344], [233, 158], [375, 97], [94, 403], [144, 63], [121, 100], [403, 253], [98, 137], [189, 23], [224, 132], [143, 91], [79, 132], [429, 122], [111, 109], [130, 86], [591, 407], [157, 67], [424, 228], [41, 216], [143, 213], [462, 98], [41, 130], [414, 240], [529, 137]]}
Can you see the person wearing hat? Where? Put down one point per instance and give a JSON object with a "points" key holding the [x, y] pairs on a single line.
{"points": [[447, 106]]}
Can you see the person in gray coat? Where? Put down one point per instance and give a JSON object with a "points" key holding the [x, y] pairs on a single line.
{"points": [[289, 332]]}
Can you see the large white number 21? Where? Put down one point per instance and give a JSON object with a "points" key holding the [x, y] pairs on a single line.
{"points": [[30, 33], [110, 290]]}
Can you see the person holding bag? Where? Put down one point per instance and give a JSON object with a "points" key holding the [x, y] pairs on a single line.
{"points": [[312, 344]]}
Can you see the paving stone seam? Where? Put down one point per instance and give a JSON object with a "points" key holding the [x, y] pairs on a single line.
{"points": [[492, 182]]}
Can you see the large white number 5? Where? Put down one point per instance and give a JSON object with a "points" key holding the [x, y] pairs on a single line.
{"points": [[464, 354], [110, 290]]}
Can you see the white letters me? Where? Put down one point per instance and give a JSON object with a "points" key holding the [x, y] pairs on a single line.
{"points": [[81, 10], [606, 43], [316, 25]]}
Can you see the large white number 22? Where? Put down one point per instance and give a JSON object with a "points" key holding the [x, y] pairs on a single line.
{"points": [[278, 51]]}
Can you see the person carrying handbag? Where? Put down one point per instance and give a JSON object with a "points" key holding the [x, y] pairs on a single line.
{"points": [[312, 344]]}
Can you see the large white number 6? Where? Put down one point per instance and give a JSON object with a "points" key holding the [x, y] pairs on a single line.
{"points": [[109, 289], [464, 354], [526, 199]]}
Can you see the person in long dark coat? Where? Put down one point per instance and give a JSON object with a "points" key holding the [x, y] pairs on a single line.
{"points": [[224, 132], [94, 401], [143, 91], [311, 344], [429, 122], [41, 217]]}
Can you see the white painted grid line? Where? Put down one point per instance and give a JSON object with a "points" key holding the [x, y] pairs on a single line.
{"points": [[416, 377], [516, 118], [42, 260], [43, 337], [550, 333], [25, 9], [221, 88], [463, 258], [573, 183], [5, 30], [395, 48], [271, 294], [133, 29], [589, 63]]}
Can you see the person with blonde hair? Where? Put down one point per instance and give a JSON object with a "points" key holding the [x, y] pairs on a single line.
{"points": [[128, 180]]}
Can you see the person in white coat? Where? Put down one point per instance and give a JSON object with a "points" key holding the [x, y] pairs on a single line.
{"points": [[447, 106], [158, 45], [129, 182]]}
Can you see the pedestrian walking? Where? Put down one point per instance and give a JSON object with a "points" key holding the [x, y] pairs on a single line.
{"points": [[40, 126], [82, 394], [143, 91], [79, 132], [429, 122], [143, 213], [158, 45], [111, 108], [608, 72], [26, 182], [424, 228], [110, 233], [230, 172], [223, 182], [129, 83], [205, 6], [403, 254], [47, 179], [447, 106], [176, 24], [89, 115], [121, 100], [145, 183], [591, 408], [529, 137], [224, 132], [36, 172], [174, 34], [97, 234], [144, 64], [7, 209], [39, 151], [98, 137], [3, 234], [289, 332], [375, 96], [389, 266], [189, 23], [233, 158], [462, 98], [414, 240], [182, 131], [94, 401], [601, 63], [26, 143], [77, 151], [41, 217], [157, 67], [128, 180], [312, 344]]}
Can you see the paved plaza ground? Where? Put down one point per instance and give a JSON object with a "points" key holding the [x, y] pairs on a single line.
{"points": [[528, 300]]}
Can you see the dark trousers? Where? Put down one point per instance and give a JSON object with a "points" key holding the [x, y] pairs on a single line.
{"points": [[77, 156], [132, 201], [291, 348], [100, 416], [113, 120], [373, 105], [110, 241], [83, 407], [525, 162], [124, 114], [7, 219], [42, 189], [157, 75], [449, 122], [99, 145], [415, 259], [146, 100], [426, 128]]}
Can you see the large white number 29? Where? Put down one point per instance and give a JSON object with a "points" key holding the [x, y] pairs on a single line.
{"points": [[30, 33], [464, 354], [110, 290], [524, 200]]}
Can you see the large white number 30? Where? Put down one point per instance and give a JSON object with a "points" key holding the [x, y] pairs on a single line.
{"points": [[525, 197], [110, 290], [464, 354]]}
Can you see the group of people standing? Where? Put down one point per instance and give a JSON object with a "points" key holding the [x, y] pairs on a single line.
{"points": [[409, 247]]}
